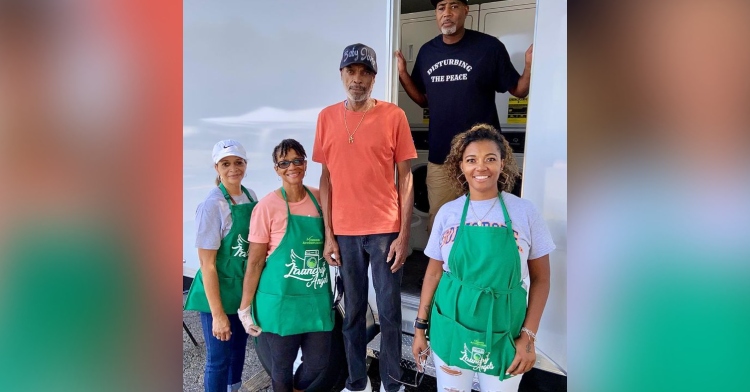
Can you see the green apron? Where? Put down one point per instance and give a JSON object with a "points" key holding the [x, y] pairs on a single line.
{"points": [[479, 307], [294, 293], [231, 261]]}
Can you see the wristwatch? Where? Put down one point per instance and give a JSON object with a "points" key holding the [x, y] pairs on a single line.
{"points": [[420, 325]]}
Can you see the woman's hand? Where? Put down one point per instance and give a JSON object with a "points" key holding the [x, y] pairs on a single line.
{"points": [[419, 348], [220, 327], [247, 322], [525, 356]]}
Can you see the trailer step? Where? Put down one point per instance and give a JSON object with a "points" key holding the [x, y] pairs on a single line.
{"points": [[407, 359]]}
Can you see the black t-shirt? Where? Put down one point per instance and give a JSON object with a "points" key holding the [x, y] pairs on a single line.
{"points": [[460, 81]]}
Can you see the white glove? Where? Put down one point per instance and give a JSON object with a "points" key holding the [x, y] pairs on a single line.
{"points": [[247, 322]]}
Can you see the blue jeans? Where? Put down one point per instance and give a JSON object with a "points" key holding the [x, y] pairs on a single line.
{"points": [[356, 253], [316, 350], [224, 360]]}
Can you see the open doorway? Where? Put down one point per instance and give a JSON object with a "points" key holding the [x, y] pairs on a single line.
{"points": [[512, 22]]}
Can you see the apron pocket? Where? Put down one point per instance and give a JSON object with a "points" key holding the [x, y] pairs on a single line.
{"points": [[230, 290], [306, 313], [266, 308], [466, 348], [440, 334]]}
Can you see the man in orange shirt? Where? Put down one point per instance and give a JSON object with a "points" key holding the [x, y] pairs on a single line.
{"points": [[361, 142]]}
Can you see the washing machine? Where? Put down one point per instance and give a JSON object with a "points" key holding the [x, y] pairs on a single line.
{"points": [[421, 212]]}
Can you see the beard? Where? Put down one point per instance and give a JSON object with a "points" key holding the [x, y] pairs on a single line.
{"points": [[448, 30], [359, 95]]}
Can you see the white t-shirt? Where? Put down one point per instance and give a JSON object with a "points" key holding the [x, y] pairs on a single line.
{"points": [[532, 235], [213, 218]]}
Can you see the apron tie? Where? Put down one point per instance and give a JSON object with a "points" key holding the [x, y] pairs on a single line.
{"points": [[494, 293]]}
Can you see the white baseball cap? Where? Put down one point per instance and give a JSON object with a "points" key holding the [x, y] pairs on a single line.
{"points": [[228, 148]]}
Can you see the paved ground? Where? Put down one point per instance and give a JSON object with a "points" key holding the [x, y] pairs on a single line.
{"points": [[194, 358]]}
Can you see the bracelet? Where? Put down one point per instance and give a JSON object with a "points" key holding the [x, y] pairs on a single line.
{"points": [[420, 324], [532, 335]]}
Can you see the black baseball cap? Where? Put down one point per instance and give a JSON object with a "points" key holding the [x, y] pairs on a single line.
{"points": [[359, 54], [435, 2]]}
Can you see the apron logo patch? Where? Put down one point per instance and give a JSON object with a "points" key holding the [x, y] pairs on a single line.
{"points": [[312, 241], [477, 358], [240, 250], [313, 272]]}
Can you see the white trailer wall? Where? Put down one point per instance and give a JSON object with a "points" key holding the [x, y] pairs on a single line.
{"points": [[545, 178]]}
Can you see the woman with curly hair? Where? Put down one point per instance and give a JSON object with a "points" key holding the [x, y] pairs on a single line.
{"points": [[482, 245]]}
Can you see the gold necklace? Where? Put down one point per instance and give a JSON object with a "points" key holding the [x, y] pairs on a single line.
{"points": [[351, 135], [485, 215]]}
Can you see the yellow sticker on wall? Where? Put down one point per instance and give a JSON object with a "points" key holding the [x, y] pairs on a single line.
{"points": [[517, 109], [425, 116]]}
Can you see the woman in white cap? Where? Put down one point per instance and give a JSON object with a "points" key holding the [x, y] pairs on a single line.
{"points": [[223, 222]]}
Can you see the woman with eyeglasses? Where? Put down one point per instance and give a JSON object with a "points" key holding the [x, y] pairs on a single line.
{"points": [[473, 306], [222, 222], [287, 288]]}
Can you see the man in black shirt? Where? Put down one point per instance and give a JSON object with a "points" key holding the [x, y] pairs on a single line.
{"points": [[456, 75]]}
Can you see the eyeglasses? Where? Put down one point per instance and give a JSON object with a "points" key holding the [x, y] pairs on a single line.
{"points": [[420, 374], [295, 161], [338, 288]]}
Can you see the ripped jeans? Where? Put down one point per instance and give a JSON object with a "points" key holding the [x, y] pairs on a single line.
{"points": [[455, 379]]}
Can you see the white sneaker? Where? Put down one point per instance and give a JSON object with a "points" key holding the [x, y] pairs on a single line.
{"points": [[368, 387], [382, 388]]}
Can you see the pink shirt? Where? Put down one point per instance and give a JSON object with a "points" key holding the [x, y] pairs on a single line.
{"points": [[269, 219]]}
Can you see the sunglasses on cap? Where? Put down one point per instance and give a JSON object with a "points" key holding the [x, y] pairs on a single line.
{"points": [[295, 161], [420, 371]]}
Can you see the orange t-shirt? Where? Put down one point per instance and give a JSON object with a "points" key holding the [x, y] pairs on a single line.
{"points": [[364, 194], [269, 219]]}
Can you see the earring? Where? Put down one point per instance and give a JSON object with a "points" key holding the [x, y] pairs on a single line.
{"points": [[464, 182]]}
